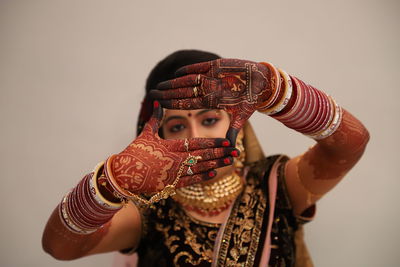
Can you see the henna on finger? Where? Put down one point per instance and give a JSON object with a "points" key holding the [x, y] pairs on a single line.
{"points": [[179, 93], [201, 67], [209, 165], [178, 145], [188, 103], [214, 153], [187, 81], [197, 178]]}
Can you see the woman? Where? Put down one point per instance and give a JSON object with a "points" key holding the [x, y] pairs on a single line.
{"points": [[197, 199]]}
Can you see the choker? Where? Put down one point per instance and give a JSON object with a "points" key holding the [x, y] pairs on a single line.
{"points": [[210, 199]]}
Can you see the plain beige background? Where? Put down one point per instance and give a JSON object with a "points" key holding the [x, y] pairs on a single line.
{"points": [[72, 75]]}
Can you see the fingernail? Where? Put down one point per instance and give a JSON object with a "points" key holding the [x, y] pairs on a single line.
{"points": [[156, 104], [235, 153], [227, 160], [211, 174], [225, 143]]}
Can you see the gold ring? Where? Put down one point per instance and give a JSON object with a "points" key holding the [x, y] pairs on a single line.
{"points": [[186, 144], [198, 79], [195, 91], [191, 160]]}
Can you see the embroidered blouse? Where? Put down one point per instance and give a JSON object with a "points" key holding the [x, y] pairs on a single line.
{"points": [[173, 238]]}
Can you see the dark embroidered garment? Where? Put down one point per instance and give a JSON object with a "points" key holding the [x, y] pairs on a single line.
{"points": [[172, 238]]}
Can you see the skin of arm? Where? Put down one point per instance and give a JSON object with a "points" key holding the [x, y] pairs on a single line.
{"points": [[123, 231], [314, 173]]}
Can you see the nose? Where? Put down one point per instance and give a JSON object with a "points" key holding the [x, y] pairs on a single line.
{"points": [[194, 132]]}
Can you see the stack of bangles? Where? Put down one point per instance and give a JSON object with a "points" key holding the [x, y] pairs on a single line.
{"points": [[301, 107], [84, 210]]}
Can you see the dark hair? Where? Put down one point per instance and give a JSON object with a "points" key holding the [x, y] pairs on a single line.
{"points": [[165, 70]]}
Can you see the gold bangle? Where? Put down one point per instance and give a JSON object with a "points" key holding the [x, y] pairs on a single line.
{"points": [[100, 199]]}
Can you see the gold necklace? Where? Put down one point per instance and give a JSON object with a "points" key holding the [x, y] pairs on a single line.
{"points": [[210, 198]]}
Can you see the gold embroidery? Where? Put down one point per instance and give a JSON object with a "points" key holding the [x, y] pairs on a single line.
{"points": [[242, 232], [184, 230], [191, 241]]}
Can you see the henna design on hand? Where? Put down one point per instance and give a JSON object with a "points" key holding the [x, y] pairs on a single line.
{"points": [[238, 86], [150, 163]]}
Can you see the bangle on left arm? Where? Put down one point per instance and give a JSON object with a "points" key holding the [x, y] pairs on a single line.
{"points": [[84, 210], [304, 108]]}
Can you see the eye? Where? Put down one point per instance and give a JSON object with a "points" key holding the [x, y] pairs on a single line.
{"points": [[209, 121], [176, 128]]}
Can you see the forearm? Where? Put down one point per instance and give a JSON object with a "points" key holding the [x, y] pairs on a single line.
{"points": [[80, 221], [62, 244], [341, 140], [327, 162], [299, 106]]}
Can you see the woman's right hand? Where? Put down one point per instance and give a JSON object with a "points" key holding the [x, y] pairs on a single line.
{"points": [[150, 163]]}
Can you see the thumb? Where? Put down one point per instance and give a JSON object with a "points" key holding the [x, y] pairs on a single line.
{"points": [[237, 122], [155, 120], [238, 119], [232, 134]]}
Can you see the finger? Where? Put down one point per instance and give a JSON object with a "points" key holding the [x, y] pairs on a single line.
{"points": [[193, 144], [188, 103], [203, 87], [194, 68], [215, 153], [185, 81], [239, 118], [208, 165], [180, 93], [197, 178], [154, 123], [232, 134]]}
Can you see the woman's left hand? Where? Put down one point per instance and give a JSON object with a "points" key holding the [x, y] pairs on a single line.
{"points": [[237, 86]]}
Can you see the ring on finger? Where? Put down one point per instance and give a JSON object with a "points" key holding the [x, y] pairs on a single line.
{"points": [[198, 79], [186, 144], [191, 160], [195, 91]]}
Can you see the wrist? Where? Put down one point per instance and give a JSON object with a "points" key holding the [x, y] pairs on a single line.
{"points": [[282, 98], [84, 209], [104, 187], [305, 109], [272, 91]]}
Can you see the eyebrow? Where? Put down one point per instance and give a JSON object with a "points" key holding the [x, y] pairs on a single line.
{"points": [[182, 117]]}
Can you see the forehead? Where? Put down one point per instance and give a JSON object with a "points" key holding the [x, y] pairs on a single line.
{"points": [[181, 113], [185, 113]]}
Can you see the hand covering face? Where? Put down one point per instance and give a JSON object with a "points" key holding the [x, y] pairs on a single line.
{"points": [[150, 163]]}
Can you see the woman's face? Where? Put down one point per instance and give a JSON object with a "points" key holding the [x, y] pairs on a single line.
{"points": [[209, 123]]}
